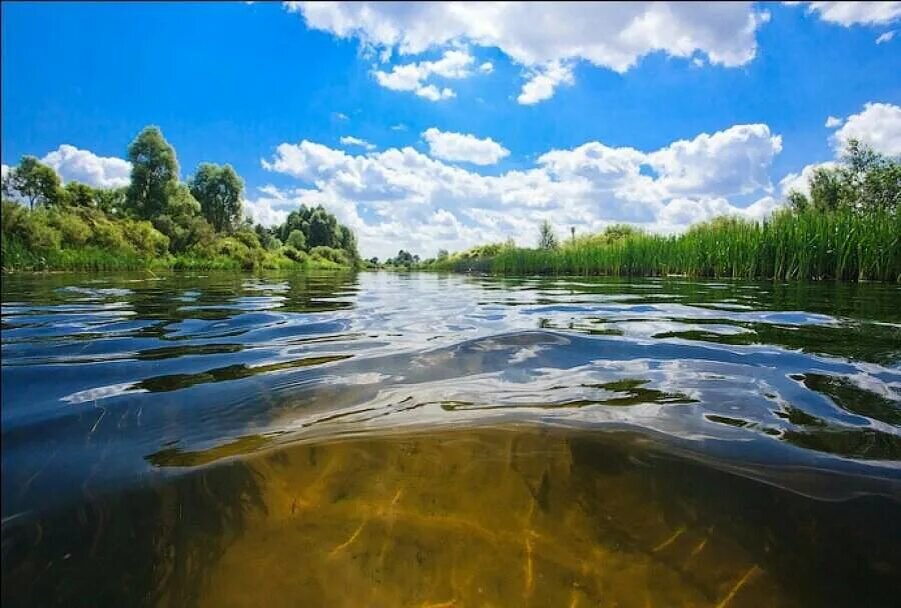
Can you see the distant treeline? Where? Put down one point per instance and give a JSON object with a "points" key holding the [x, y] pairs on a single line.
{"points": [[848, 227], [156, 221]]}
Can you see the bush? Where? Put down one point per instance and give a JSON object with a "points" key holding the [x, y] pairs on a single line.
{"points": [[145, 238], [75, 232], [297, 240], [109, 235], [36, 232], [336, 256], [294, 254]]}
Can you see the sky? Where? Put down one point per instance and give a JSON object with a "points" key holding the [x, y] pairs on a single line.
{"points": [[442, 125]]}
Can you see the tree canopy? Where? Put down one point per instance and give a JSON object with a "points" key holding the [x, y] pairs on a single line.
{"points": [[33, 181], [154, 171], [218, 189]]}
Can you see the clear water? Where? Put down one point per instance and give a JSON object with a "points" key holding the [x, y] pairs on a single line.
{"points": [[387, 439]]}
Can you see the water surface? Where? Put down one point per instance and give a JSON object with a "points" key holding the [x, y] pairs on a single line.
{"points": [[418, 439]]}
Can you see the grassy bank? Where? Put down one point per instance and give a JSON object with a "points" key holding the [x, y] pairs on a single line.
{"points": [[810, 244], [157, 221], [17, 256]]}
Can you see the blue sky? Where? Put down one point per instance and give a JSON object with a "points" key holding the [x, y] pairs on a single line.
{"points": [[272, 89]]}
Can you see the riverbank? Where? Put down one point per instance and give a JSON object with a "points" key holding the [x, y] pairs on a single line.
{"points": [[790, 245], [17, 257]]}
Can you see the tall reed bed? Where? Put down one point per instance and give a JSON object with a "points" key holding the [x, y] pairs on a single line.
{"points": [[841, 244]]}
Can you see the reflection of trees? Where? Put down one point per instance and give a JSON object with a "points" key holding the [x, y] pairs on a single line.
{"points": [[149, 547]]}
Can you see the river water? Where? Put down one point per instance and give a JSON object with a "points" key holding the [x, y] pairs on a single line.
{"points": [[390, 439]]}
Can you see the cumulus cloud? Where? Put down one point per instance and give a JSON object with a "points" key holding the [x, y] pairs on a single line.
{"points": [[609, 35], [885, 37], [349, 140], [543, 82], [486, 68], [799, 182], [877, 125], [403, 198], [854, 13], [73, 164], [453, 64], [463, 147]]}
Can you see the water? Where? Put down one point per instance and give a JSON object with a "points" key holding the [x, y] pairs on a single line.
{"points": [[427, 440]]}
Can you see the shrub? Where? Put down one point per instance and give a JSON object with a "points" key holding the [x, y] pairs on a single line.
{"points": [[75, 231], [297, 240], [336, 256], [296, 255]]}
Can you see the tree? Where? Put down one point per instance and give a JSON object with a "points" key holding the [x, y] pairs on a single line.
{"points": [[826, 189], [546, 237], [297, 240], [181, 220], [80, 195], [219, 191], [34, 181], [154, 172], [111, 201], [797, 201], [323, 229]]}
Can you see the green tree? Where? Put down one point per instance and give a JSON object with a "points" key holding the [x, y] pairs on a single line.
{"points": [[826, 189], [181, 221], [34, 181], [80, 195], [546, 237], [297, 240], [154, 172], [323, 229], [797, 201], [219, 191]]}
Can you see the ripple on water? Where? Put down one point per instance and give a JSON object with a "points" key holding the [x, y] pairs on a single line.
{"points": [[132, 390]]}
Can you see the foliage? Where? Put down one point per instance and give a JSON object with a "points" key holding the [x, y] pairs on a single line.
{"points": [[156, 221], [154, 173], [865, 180], [219, 191], [297, 240], [546, 237], [849, 228], [34, 182]]}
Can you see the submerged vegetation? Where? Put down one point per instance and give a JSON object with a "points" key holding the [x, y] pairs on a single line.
{"points": [[848, 227], [156, 221]]}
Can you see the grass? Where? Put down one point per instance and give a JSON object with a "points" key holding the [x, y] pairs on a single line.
{"points": [[844, 244]]}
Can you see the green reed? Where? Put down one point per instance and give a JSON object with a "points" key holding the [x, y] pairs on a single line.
{"points": [[842, 244]]}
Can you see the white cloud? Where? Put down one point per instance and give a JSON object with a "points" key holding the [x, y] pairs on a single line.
{"points": [[833, 121], [349, 140], [854, 13], [453, 64], [877, 125], [799, 182], [734, 161], [486, 68], [463, 147], [402, 198], [399, 127], [885, 37], [544, 81], [340, 116], [541, 34], [86, 167]]}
